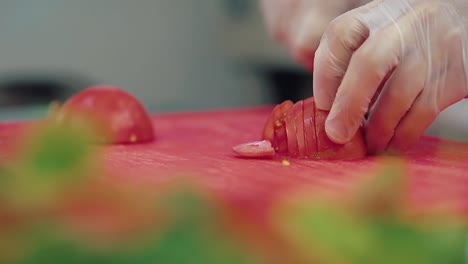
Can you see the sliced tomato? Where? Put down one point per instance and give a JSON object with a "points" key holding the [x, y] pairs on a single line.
{"points": [[256, 149], [281, 139], [299, 124], [309, 128], [327, 149], [291, 133], [120, 116], [275, 122], [299, 130]]}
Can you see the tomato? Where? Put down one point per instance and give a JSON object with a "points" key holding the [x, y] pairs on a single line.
{"points": [[281, 139], [299, 124], [299, 131], [327, 149], [275, 128], [256, 149], [277, 116], [120, 116], [310, 134], [291, 133]]}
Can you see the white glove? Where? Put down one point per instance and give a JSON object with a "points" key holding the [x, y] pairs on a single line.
{"points": [[299, 24], [410, 56]]}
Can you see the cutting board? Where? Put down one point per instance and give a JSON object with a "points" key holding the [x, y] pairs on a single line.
{"points": [[198, 144]]}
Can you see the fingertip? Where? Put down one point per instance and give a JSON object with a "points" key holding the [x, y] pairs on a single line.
{"points": [[305, 58], [337, 131]]}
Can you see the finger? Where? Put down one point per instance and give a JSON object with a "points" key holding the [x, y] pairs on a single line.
{"points": [[305, 57], [393, 103], [382, 85], [443, 86], [426, 108], [413, 124], [306, 38], [368, 67], [452, 69], [313, 19], [343, 36], [277, 14]]}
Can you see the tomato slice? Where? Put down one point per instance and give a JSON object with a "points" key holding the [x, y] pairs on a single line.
{"points": [[281, 139], [276, 116], [299, 131], [256, 149], [291, 133], [327, 149], [299, 124], [275, 127], [310, 135], [120, 116]]}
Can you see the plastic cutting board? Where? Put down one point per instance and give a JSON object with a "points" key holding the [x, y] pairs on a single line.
{"points": [[199, 144]]}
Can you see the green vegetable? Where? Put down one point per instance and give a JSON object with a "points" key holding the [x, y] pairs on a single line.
{"points": [[53, 160], [373, 227]]}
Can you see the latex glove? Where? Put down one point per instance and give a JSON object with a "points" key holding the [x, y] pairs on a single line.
{"points": [[299, 24], [410, 56]]}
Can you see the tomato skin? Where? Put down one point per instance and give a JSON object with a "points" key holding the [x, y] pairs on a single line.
{"points": [[256, 149], [327, 149], [310, 133], [119, 115], [299, 124]]}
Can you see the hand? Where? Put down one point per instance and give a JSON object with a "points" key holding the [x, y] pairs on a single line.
{"points": [[299, 24], [404, 61]]}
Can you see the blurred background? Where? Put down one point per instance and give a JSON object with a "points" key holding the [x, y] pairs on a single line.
{"points": [[174, 55]]}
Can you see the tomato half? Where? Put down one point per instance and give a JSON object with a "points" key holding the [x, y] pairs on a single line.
{"points": [[120, 116]]}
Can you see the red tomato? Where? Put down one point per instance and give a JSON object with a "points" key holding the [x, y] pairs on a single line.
{"points": [[275, 128], [327, 149], [255, 149], [310, 134], [120, 115], [299, 130], [291, 133], [299, 124], [281, 139]]}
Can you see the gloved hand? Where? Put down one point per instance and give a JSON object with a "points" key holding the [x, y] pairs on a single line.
{"points": [[299, 24], [404, 61]]}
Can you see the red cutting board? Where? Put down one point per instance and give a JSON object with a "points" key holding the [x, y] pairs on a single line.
{"points": [[199, 145]]}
